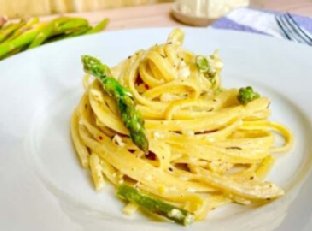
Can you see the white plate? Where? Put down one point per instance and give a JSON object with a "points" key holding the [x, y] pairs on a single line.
{"points": [[43, 187]]}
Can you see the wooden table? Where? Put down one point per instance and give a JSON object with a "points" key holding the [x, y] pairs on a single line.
{"points": [[158, 15]]}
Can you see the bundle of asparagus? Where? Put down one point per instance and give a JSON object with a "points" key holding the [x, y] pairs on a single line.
{"points": [[26, 34]]}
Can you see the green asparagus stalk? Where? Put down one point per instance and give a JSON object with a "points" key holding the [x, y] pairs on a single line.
{"points": [[79, 31], [16, 37], [99, 27], [45, 32], [130, 194], [74, 33], [28, 25], [129, 116], [68, 24], [83, 30], [7, 30], [17, 50], [68, 27], [7, 47]]}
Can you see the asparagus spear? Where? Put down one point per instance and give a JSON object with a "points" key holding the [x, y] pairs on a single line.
{"points": [[28, 25], [79, 31], [41, 37], [82, 30], [7, 30], [130, 194], [129, 116], [58, 29], [16, 37], [31, 22], [17, 50], [86, 30], [99, 27], [38, 34], [7, 47], [63, 25], [74, 33]]}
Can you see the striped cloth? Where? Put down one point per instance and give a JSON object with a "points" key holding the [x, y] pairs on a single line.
{"points": [[257, 21]]}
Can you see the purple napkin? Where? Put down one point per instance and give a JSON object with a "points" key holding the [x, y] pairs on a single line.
{"points": [[261, 22]]}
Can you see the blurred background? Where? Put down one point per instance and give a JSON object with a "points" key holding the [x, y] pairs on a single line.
{"points": [[27, 8], [24, 8]]}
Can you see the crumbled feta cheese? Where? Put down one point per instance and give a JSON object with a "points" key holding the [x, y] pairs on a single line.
{"points": [[176, 213], [167, 97], [183, 70], [158, 135], [118, 140], [189, 219], [130, 208], [211, 139]]}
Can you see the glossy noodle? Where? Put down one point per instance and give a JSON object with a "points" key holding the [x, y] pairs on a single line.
{"points": [[206, 148]]}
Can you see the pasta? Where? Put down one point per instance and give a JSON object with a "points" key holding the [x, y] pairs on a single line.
{"points": [[206, 148]]}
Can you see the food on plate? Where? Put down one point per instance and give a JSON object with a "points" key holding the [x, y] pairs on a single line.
{"points": [[123, 98], [175, 143]]}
